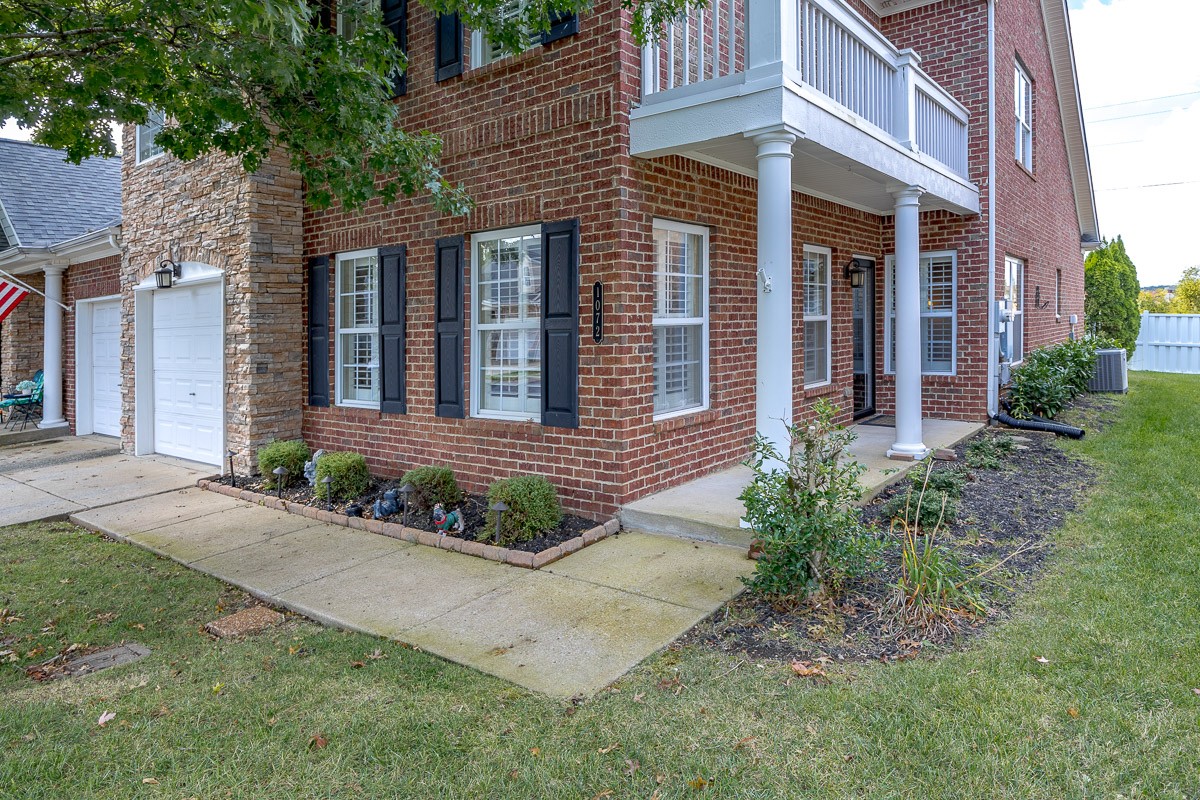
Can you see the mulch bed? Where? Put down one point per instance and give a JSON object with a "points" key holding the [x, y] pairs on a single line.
{"points": [[1008, 515], [473, 510]]}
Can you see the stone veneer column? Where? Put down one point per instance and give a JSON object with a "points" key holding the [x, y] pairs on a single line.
{"points": [[774, 379], [909, 438], [52, 347]]}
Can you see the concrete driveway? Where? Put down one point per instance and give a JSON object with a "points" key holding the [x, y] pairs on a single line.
{"points": [[56, 478]]}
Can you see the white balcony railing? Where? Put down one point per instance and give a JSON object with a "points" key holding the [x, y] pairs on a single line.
{"points": [[833, 50]]}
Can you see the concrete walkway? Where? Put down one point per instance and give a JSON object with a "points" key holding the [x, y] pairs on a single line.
{"points": [[51, 479], [569, 629]]}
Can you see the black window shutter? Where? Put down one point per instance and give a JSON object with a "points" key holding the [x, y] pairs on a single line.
{"points": [[562, 25], [449, 46], [318, 331], [395, 19], [560, 324], [393, 398], [448, 318]]}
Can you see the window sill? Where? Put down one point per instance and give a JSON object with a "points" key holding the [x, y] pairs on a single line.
{"points": [[821, 390], [140, 162], [686, 419], [484, 71], [1025, 169]]}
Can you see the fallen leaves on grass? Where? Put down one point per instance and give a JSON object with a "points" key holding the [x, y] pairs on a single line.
{"points": [[632, 765], [746, 743], [535, 751], [357, 664], [699, 783], [605, 750], [106, 717], [1073, 712], [317, 742], [375, 656], [150, 781], [807, 669], [1196, 692], [1042, 660]]}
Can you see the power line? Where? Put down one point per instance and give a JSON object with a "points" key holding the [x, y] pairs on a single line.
{"points": [[1148, 186], [1133, 116], [1143, 100]]}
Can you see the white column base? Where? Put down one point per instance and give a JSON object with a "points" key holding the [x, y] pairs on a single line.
{"points": [[908, 452], [52, 423]]}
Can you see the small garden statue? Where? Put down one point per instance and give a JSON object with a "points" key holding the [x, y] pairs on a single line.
{"points": [[310, 468], [447, 523], [388, 505]]}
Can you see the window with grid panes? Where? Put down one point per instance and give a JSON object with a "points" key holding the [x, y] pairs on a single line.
{"points": [[485, 51], [1024, 109], [817, 339], [147, 148], [937, 313], [680, 319], [1012, 343], [507, 356], [358, 329]]}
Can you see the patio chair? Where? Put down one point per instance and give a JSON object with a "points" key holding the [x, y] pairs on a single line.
{"points": [[23, 407]]}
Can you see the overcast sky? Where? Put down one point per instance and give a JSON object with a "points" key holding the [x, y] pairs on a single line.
{"points": [[1139, 75]]}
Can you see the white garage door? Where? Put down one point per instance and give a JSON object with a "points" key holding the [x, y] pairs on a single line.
{"points": [[188, 389], [106, 367]]}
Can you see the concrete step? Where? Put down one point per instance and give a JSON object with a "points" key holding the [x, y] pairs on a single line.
{"points": [[707, 509], [32, 433]]}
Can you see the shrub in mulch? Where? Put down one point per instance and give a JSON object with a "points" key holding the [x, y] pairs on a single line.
{"points": [[472, 507], [1007, 512]]}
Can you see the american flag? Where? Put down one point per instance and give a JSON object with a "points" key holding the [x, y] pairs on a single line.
{"points": [[10, 296]]}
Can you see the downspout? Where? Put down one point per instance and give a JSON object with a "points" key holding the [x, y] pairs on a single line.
{"points": [[993, 373]]}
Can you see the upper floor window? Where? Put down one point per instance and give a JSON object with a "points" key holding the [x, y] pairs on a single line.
{"points": [[1012, 343], [484, 50], [938, 313], [680, 318], [358, 329], [818, 345], [348, 25], [147, 148], [1057, 293], [1024, 108]]}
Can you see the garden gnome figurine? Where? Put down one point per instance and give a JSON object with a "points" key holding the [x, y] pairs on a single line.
{"points": [[310, 468], [389, 505], [447, 523]]}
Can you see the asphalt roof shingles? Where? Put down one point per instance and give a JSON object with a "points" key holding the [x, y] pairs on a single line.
{"points": [[49, 200]]}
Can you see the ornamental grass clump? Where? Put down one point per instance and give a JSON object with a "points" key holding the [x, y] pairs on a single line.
{"points": [[351, 479], [290, 455], [802, 511]]}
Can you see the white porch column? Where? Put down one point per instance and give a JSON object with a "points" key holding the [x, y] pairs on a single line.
{"points": [[774, 382], [909, 442], [52, 376]]}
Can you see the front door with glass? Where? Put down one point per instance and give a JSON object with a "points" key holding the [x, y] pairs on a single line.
{"points": [[864, 345]]}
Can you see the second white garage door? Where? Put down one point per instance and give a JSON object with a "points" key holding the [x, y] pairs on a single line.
{"points": [[106, 367], [188, 372]]}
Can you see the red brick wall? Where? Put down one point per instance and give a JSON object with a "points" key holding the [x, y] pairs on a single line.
{"points": [[98, 278], [1037, 221]]}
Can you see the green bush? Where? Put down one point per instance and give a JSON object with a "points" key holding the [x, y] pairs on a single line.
{"points": [[432, 485], [987, 451], [349, 472], [949, 480], [804, 516], [1111, 291], [1051, 377], [926, 509], [288, 454], [533, 508]]}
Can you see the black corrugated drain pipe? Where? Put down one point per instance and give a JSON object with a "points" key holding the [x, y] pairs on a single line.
{"points": [[1037, 424]]}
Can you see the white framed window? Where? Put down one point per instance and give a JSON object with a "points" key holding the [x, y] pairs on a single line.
{"points": [[939, 317], [485, 51], [818, 338], [146, 148], [1057, 293], [347, 25], [680, 320], [358, 329], [1012, 343], [506, 319], [1024, 110]]}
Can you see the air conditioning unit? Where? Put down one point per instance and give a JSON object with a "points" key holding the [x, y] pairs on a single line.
{"points": [[1111, 374]]}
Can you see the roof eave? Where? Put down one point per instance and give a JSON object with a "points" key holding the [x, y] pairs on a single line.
{"points": [[1066, 81], [76, 250]]}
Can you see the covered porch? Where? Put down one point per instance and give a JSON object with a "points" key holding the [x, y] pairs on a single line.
{"points": [[708, 508]]}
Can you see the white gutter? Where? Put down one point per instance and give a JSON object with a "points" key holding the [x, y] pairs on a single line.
{"points": [[993, 376], [85, 247]]}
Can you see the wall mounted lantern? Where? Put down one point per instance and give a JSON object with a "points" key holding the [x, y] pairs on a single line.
{"points": [[167, 273], [856, 271]]}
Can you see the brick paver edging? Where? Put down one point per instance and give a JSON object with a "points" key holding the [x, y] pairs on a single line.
{"points": [[517, 558]]}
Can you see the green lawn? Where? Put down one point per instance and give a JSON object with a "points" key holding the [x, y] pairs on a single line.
{"points": [[1113, 713]]}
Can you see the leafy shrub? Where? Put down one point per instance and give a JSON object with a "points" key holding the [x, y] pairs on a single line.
{"points": [[1051, 377], [934, 588], [1111, 289], [349, 472], [289, 454], [987, 451], [926, 507], [812, 535], [433, 485], [533, 507], [949, 480]]}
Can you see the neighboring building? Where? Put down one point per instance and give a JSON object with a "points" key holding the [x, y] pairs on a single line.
{"points": [[58, 235], [724, 191]]}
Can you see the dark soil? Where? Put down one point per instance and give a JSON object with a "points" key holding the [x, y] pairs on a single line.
{"points": [[1007, 516], [473, 510]]}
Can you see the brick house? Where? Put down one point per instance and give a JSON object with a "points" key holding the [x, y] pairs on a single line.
{"points": [[879, 202]]}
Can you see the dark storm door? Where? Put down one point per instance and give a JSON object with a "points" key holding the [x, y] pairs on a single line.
{"points": [[864, 345]]}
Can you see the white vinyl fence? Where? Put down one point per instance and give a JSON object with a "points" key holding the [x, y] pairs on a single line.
{"points": [[1168, 343]]}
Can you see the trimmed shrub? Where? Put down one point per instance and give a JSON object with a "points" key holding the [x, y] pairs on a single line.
{"points": [[533, 508], [432, 485], [349, 472], [1051, 377], [289, 454]]}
